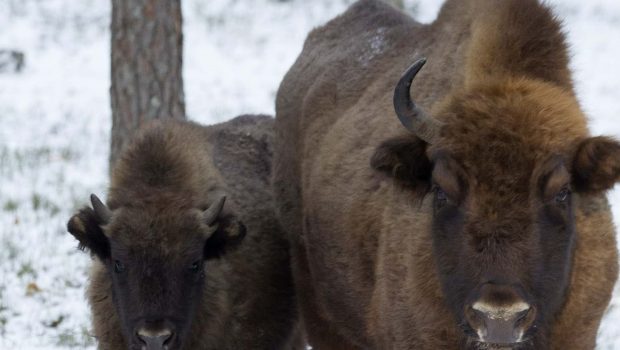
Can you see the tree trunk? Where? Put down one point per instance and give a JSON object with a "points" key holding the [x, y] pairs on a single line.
{"points": [[147, 49]]}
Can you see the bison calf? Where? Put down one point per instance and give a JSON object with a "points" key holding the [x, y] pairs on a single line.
{"points": [[182, 196]]}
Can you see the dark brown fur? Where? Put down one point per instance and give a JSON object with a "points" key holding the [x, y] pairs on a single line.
{"points": [[353, 187], [172, 170]]}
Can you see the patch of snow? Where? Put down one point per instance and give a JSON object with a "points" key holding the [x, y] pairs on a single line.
{"points": [[376, 45]]}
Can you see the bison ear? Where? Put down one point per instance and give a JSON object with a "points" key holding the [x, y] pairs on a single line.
{"points": [[596, 165], [404, 159], [85, 226], [228, 235]]}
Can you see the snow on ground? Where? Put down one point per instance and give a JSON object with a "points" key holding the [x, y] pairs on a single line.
{"points": [[55, 123]]}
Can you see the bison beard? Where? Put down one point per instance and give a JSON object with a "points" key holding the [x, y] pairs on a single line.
{"points": [[173, 267], [485, 225]]}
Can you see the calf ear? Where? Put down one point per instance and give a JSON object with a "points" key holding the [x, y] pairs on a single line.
{"points": [[85, 226], [228, 235], [596, 165], [404, 159]]}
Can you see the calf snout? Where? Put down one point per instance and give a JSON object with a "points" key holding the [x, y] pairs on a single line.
{"points": [[500, 315], [155, 339]]}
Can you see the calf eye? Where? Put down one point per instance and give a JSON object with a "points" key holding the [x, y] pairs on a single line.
{"points": [[118, 266], [441, 197], [196, 266], [562, 196]]}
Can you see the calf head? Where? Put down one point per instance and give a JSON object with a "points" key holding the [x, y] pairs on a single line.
{"points": [[155, 257], [506, 166]]}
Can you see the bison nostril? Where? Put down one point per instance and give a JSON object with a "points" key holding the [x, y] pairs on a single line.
{"points": [[526, 318], [154, 340]]}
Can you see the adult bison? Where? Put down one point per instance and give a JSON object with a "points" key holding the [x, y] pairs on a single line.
{"points": [[181, 196], [483, 223]]}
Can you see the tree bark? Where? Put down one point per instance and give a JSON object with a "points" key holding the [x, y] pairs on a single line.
{"points": [[147, 58]]}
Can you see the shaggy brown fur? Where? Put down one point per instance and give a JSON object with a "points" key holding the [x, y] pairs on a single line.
{"points": [[172, 171], [381, 262]]}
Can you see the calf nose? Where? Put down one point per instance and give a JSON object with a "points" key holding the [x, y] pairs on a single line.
{"points": [[501, 324], [154, 340]]}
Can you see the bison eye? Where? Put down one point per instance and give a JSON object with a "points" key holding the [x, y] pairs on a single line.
{"points": [[196, 266], [441, 198], [562, 196], [118, 266]]}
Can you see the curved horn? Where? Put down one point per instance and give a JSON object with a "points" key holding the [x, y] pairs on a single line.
{"points": [[411, 116], [214, 210], [101, 210]]}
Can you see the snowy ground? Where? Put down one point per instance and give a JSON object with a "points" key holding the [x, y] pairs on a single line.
{"points": [[55, 123]]}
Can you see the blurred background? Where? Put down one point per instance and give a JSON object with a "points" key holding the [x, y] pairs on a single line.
{"points": [[55, 121]]}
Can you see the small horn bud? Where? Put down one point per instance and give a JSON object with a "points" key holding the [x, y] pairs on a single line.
{"points": [[102, 211], [214, 210]]}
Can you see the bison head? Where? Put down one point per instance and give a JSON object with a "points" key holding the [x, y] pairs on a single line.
{"points": [[155, 257], [506, 166]]}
